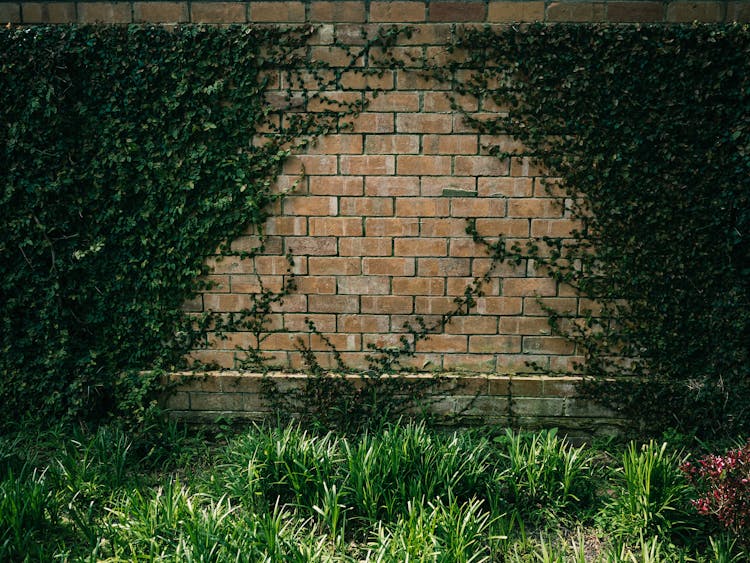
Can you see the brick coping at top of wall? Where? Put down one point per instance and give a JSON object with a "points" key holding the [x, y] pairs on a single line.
{"points": [[374, 11]]}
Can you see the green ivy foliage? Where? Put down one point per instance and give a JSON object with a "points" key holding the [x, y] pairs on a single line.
{"points": [[648, 130], [127, 157]]}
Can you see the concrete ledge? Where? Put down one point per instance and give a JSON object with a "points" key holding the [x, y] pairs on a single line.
{"points": [[529, 402]]}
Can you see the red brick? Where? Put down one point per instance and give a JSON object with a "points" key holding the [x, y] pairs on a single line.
{"points": [[363, 323], [391, 186], [472, 324], [366, 206], [341, 342], [419, 247], [398, 11], [365, 246], [523, 287], [443, 227], [457, 11], [423, 165], [10, 12], [428, 34], [444, 343], [392, 144], [402, 56], [383, 340], [356, 80], [337, 11], [635, 12], [505, 11], [503, 227], [450, 144], [524, 325], [252, 284], [335, 56], [469, 362], [477, 207], [217, 12], [336, 185], [336, 226], [441, 102], [694, 11], [547, 345], [371, 123], [316, 285], [553, 227], [278, 265], [498, 306], [393, 101], [53, 12], [367, 165], [225, 303], [104, 12], [310, 205], [508, 187], [481, 166], [434, 305], [385, 226], [534, 306], [388, 266], [418, 286], [311, 246], [334, 266], [333, 304], [387, 304], [431, 267], [407, 79], [575, 12], [422, 207], [534, 207], [363, 285], [466, 247], [311, 164], [160, 12], [286, 12], [503, 344], [323, 322], [423, 123], [437, 186], [286, 225], [457, 286], [337, 144]]}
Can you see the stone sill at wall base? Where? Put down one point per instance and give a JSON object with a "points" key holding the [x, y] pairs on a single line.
{"points": [[524, 402]]}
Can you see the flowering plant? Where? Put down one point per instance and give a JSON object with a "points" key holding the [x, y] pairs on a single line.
{"points": [[723, 484]]}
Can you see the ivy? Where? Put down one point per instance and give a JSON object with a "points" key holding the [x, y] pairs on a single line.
{"points": [[128, 155], [647, 130]]}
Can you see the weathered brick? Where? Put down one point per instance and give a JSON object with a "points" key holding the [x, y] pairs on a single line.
{"points": [[437, 186], [428, 305], [318, 285], [371, 122], [501, 226], [472, 325], [418, 286], [694, 11], [508, 187], [444, 343], [635, 12], [526, 287], [738, 12], [321, 11], [310, 164], [391, 186], [547, 345], [160, 12], [363, 323], [251, 283], [365, 246], [387, 304], [423, 165], [310, 205], [103, 12], [341, 342], [363, 285], [531, 326], [366, 206], [341, 266], [333, 303], [355, 80], [311, 246], [498, 306], [368, 165], [553, 227], [442, 227], [422, 207], [385, 226], [576, 12], [450, 144], [476, 207], [336, 185], [505, 11], [388, 266], [431, 267], [441, 102], [324, 322], [286, 225], [52, 12], [336, 226], [423, 123], [392, 144], [286, 12], [393, 101], [469, 362], [10, 12], [457, 11], [335, 56], [534, 207], [337, 144], [225, 303], [536, 307], [419, 247], [457, 286], [484, 344], [397, 11], [217, 12], [407, 79], [481, 166]]}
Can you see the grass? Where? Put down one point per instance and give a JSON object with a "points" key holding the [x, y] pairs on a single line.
{"points": [[399, 493]]}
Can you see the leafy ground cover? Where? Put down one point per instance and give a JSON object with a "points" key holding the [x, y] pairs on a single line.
{"points": [[402, 492]]}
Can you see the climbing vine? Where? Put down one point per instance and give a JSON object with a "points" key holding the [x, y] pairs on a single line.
{"points": [[645, 134]]}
